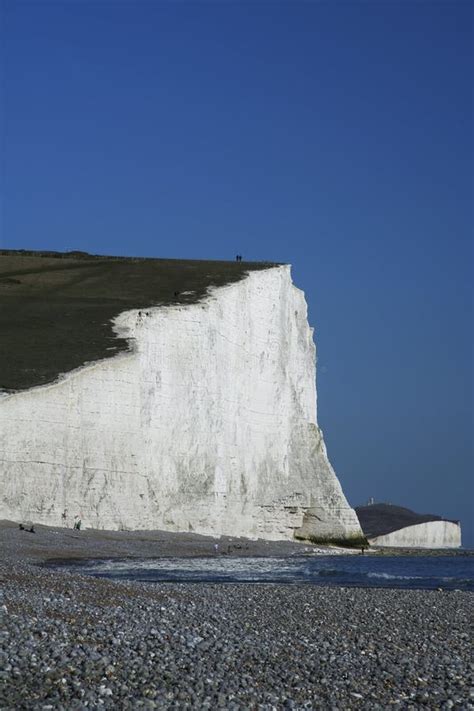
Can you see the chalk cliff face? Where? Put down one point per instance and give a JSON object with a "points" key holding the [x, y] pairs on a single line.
{"points": [[207, 424], [397, 526], [432, 534]]}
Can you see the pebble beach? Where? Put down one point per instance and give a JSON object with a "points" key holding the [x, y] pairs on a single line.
{"points": [[69, 642]]}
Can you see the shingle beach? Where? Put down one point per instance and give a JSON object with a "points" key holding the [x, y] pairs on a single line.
{"points": [[73, 642]]}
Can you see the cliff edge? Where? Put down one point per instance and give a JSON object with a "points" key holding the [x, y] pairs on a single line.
{"points": [[206, 422], [57, 309]]}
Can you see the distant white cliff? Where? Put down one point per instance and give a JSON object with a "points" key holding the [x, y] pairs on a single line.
{"points": [[431, 534], [208, 424], [389, 525]]}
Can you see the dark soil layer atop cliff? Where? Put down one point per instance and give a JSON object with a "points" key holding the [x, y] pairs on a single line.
{"points": [[380, 519], [56, 309]]}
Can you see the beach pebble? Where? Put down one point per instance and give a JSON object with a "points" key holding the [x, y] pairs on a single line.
{"points": [[74, 642]]}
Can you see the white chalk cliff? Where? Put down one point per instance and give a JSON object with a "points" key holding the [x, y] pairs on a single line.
{"points": [[431, 534], [208, 424]]}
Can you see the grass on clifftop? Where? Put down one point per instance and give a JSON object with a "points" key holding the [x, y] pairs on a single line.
{"points": [[56, 309]]}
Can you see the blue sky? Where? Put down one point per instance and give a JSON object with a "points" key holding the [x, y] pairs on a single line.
{"points": [[336, 136]]}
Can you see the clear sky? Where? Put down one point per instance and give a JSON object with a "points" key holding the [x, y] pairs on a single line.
{"points": [[336, 136]]}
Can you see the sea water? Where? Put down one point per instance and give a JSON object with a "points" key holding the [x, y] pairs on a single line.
{"points": [[387, 571]]}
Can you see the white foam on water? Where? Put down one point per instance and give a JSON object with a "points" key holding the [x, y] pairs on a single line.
{"points": [[389, 576], [207, 566], [303, 569]]}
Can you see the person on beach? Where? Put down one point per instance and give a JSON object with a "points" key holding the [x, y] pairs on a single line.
{"points": [[27, 527]]}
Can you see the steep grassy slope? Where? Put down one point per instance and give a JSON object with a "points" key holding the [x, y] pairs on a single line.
{"points": [[56, 309]]}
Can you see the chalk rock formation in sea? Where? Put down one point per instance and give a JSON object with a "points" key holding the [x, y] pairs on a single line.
{"points": [[206, 422], [388, 526]]}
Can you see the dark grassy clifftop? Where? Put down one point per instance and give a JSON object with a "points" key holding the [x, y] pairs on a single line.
{"points": [[380, 519], [56, 309]]}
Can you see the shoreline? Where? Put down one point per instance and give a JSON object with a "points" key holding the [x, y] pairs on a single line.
{"points": [[49, 544], [70, 642], [67, 546]]}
